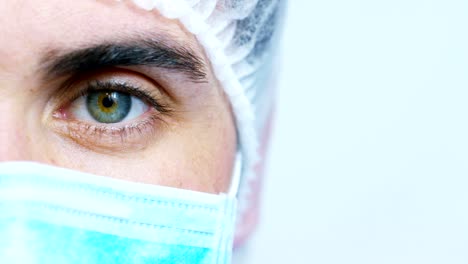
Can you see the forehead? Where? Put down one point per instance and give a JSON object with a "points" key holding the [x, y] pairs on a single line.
{"points": [[30, 26]]}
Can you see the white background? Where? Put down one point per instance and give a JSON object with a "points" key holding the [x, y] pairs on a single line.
{"points": [[369, 161]]}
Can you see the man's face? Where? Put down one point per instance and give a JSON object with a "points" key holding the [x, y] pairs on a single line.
{"points": [[106, 88]]}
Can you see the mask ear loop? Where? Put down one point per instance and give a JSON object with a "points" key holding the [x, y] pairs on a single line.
{"points": [[236, 176]]}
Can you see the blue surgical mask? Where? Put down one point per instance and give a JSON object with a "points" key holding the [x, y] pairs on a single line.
{"points": [[54, 215]]}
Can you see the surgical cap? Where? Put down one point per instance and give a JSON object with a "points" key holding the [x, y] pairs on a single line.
{"points": [[239, 38]]}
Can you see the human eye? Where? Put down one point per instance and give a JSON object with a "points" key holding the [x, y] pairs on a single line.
{"points": [[106, 103], [111, 112]]}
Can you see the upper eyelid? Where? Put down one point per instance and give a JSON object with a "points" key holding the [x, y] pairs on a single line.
{"points": [[127, 88], [123, 80]]}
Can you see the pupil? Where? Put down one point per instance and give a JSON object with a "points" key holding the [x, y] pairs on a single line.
{"points": [[108, 101]]}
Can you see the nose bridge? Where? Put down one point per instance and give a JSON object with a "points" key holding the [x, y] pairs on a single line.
{"points": [[15, 140]]}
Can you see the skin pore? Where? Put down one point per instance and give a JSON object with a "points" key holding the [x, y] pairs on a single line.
{"points": [[58, 58]]}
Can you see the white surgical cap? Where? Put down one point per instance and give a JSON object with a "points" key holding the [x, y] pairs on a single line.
{"points": [[237, 36]]}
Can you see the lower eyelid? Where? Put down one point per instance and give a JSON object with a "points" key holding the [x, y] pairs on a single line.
{"points": [[111, 139]]}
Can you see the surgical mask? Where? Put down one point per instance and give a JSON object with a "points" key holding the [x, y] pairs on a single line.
{"points": [[56, 215]]}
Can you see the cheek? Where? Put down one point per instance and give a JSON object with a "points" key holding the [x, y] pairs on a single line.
{"points": [[198, 156]]}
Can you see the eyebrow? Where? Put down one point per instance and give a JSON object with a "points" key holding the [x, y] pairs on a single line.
{"points": [[143, 52]]}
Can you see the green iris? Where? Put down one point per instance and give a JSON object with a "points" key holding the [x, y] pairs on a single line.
{"points": [[108, 106]]}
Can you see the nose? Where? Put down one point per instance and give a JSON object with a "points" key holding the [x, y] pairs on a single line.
{"points": [[15, 135]]}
